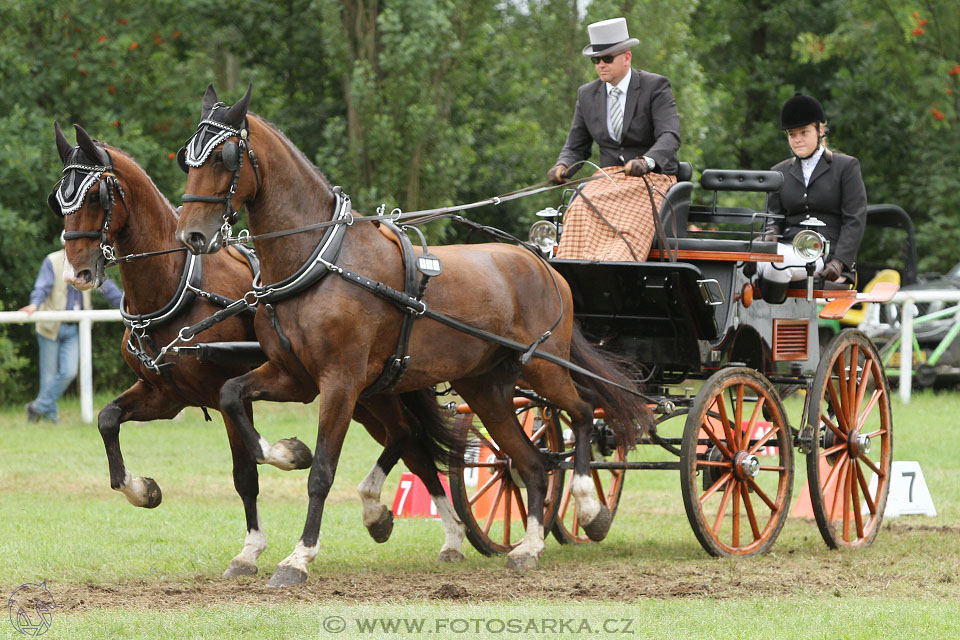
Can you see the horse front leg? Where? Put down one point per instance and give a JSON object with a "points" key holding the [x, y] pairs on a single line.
{"points": [[336, 408], [266, 382], [142, 402], [247, 483]]}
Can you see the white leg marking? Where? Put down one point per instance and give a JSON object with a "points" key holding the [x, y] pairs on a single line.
{"points": [[301, 556], [253, 546], [532, 544], [453, 529], [585, 493], [135, 489], [369, 491], [278, 455]]}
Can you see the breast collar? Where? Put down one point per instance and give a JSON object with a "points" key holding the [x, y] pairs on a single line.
{"points": [[186, 293], [320, 262]]}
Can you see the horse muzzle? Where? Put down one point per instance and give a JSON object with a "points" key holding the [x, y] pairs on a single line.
{"points": [[199, 242]]}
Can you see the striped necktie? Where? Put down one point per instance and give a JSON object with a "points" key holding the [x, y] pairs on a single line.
{"points": [[616, 113]]}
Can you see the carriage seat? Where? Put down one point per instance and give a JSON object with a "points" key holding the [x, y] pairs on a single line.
{"points": [[675, 208]]}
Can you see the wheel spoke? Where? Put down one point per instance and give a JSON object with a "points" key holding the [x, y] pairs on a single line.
{"points": [[857, 517], [751, 516], [874, 434], [825, 419], [723, 509], [727, 431], [762, 441], [838, 493], [486, 486], [507, 515], [752, 424], [738, 418], [521, 509], [852, 381], [867, 461], [841, 368], [846, 503], [486, 441], [841, 417], [764, 467], [864, 377], [877, 394], [726, 464], [716, 441], [763, 496], [539, 432], [493, 507], [715, 487], [736, 514], [837, 448], [866, 491]]}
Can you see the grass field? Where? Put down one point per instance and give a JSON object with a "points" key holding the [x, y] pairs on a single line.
{"points": [[116, 571]]}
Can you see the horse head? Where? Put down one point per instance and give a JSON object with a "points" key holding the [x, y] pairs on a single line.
{"points": [[214, 159], [86, 197]]}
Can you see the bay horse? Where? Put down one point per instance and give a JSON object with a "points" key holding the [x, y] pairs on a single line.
{"points": [[107, 199], [331, 338]]}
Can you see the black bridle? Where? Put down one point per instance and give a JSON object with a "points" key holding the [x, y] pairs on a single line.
{"points": [[199, 147]]}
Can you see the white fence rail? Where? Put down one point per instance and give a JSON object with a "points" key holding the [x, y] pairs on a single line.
{"points": [[908, 311], [84, 320]]}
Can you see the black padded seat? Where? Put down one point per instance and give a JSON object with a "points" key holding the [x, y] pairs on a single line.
{"points": [[675, 208]]}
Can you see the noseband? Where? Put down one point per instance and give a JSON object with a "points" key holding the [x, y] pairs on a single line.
{"points": [[197, 150]]}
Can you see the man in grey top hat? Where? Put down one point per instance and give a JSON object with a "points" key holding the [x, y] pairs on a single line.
{"points": [[632, 116]]}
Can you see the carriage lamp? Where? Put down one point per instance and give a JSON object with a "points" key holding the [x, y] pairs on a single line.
{"points": [[549, 212], [543, 233], [809, 245]]}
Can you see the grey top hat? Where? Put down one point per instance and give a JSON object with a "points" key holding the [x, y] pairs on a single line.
{"points": [[608, 36]]}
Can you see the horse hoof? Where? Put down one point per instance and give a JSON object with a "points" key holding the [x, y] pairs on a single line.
{"points": [[525, 562], [143, 492], [154, 495], [381, 529], [450, 555], [299, 453], [599, 527], [237, 570], [286, 576]]}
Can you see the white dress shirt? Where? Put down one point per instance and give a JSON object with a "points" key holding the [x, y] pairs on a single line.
{"points": [[809, 164]]}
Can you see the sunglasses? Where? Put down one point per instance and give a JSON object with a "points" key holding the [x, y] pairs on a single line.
{"points": [[605, 59]]}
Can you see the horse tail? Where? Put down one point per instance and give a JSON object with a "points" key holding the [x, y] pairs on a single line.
{"points": [[624, 412], [431, 427]]}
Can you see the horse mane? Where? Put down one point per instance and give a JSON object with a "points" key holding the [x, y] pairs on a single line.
{"points": [[296, 150], [115, 150]]}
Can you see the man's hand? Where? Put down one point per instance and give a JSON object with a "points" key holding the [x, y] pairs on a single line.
{"points": [[30, 308], [831, 271], [557, 174], [636, 167]]}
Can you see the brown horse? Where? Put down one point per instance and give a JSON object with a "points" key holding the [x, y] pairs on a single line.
{"points": [[332, 338], [106, 198]]}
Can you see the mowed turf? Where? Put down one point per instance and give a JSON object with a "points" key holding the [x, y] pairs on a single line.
{"points": [[122, 571]]}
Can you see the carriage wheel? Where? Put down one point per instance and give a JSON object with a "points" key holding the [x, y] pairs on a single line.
{"points": [[607, 482], [736, 464], [487, 491], [853, 438]]}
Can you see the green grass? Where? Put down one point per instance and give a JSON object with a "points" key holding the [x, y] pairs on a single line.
{"points": [[60, 522]]}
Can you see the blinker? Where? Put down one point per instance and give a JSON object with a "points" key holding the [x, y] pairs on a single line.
{"points": [[231, 155], [182, 160]]}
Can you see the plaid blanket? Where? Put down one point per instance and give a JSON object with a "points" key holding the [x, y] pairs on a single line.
{"points": [[625, 203]]}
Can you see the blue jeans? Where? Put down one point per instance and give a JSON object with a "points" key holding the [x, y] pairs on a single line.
{"points": [[59, 363]]}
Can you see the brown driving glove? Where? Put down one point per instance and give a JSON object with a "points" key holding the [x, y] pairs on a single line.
{"points": [[831, 271], [636, 167], [557, 174]]}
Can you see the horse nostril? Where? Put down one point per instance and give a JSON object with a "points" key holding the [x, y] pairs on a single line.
{"points": [[196, 241], [85, 276]]}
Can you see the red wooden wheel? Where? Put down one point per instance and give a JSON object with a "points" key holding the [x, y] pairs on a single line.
{"points": [[736, 464], [486, 490], [848, 467]]}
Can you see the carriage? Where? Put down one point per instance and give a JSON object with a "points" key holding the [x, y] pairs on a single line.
{"points": [[722, 362]]}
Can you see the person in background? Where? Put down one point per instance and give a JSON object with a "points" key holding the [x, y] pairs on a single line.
{"points": [[817, 183], [632, 116], [58, 341]]}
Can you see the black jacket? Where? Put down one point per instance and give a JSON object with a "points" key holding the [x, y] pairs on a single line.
{"points": [[651, 125], [835, 195]]}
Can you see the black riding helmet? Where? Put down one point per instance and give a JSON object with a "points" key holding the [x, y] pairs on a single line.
{"points": [[801, 110]]}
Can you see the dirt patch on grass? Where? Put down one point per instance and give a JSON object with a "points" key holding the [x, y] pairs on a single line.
{"points": [[840, 575]]}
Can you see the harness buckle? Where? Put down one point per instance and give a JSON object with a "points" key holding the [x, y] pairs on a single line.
{"points": [[413, 310], [108, 252], [251, 303]]}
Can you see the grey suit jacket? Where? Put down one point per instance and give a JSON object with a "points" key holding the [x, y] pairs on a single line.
{"points": [[651, 125], [834, 195]]}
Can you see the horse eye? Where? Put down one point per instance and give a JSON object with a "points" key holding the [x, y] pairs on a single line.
{"points": [[93, 198], [218, 156]]}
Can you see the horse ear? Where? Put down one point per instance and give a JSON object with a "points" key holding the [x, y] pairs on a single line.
{"points": [[209, 99], [238, 112], [90, 148], [63, 146]]}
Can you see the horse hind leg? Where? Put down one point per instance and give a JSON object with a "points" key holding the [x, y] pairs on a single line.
{"points": [[246, 481], [554, 383], [493, 404], [143, 403]]}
